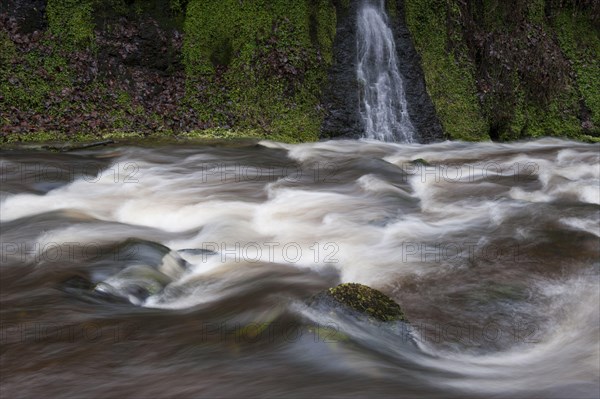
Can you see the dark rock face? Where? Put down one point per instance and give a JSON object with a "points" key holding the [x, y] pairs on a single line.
{"points": [[30, 15], [341, 98], [148, 45], [132, 79], [364, 300]]}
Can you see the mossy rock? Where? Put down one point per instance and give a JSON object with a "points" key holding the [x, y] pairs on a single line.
{"points": [[367, 301], [420, 161]]}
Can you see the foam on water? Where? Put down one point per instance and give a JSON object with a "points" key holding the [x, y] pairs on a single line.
{"points": [[484, 232]]}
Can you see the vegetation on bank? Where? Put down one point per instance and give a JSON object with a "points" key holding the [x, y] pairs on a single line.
{"points": [[225, 69], [170, 68], [97, 66], [510, 70], [263, 63], [125, 137], [449, 75]]}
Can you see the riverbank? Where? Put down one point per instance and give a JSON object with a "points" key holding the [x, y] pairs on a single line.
{"points": [[40, 140], [483, 69], [57, 141]]}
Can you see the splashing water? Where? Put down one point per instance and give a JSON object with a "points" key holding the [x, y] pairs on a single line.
{"points": [[383, 101]]}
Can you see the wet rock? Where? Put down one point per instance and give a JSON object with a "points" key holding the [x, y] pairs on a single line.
{"points": [[130, 271], [137, 45], [341, 98], [30, 15], [364, 300], [147, 268]]}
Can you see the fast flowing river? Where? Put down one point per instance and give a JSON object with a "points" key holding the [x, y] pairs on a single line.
{"points": [[186, 271]]}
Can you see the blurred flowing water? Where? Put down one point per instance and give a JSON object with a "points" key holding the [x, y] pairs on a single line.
{"points": [[383, 107], [188, 270]]}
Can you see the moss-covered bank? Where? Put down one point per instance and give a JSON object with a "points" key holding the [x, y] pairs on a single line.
{"points": [[510, 69], [449, 76], [262, 63], [86, 69], [256, 67]]}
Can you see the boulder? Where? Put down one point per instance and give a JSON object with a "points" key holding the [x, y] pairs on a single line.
{"points": [[364, 300]]}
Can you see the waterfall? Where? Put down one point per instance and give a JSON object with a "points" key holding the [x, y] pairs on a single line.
{"points": [[383, 105]]}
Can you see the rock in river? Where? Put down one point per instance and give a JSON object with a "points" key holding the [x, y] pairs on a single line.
{"points": [[364, 300]]}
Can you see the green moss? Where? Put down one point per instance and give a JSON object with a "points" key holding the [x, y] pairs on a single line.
{"points": [[580, 42], [44, 137], [258, 68], [535, 11], [326, 29], [449, 79], [218, 133], [589, 139], [36, 137], [84, 136], [367, 300], [7, 50], [391, 9], [515, 107], [58, 139], [260, 64], [557, 118], [71, 21], [28, 79]]}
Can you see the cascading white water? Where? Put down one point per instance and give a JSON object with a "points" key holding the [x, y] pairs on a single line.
{"points": [[383, 104]]}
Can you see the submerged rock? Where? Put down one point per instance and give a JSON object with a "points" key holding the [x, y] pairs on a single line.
{"points": [[130, 271], [146, 269], [136, 283], [365, 300]]}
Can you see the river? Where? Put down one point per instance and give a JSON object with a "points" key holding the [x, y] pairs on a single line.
{"points": [[491, 250]]}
